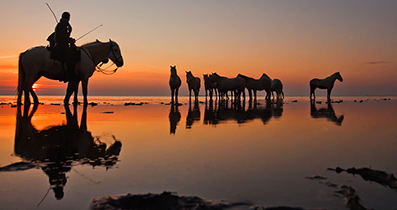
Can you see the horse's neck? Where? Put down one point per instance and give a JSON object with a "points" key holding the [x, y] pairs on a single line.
{"points": [[173, 74], [333, 77], [99, 52]]}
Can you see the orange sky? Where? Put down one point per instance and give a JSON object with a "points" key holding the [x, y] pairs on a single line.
{"points": [[294, 41]]}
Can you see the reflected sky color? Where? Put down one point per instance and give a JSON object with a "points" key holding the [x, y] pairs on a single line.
{"points": [[294, 41], [263, 163]]}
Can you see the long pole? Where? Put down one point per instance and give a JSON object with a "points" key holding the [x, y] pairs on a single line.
{"points": [[52, 12], [89, 32]]}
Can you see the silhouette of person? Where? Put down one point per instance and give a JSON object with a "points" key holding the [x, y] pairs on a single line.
{"points": [[65, 47]]}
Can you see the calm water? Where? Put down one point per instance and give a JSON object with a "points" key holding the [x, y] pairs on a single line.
{"points": [[265, 154]]}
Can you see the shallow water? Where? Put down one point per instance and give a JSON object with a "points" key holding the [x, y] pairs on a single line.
{"points": [[265, 154]]}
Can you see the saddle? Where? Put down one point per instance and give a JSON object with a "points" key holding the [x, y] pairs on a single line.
{"points": [[72, 55], [68, 55]]}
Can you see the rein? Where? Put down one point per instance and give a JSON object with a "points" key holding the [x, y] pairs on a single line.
{"points": [[98, 66]]}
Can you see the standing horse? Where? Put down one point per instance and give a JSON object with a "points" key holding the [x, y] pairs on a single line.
{"points": [[36, 62], [253, 85], [327, 83], [277, 87], [224, 84], [175, 82], [210, 86], [193, 84]]}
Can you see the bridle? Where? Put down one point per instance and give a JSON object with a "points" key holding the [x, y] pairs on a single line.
{"points": [[98, 67]]}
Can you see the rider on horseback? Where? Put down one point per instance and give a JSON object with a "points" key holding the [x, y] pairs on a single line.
{"points": [[64, 48]]}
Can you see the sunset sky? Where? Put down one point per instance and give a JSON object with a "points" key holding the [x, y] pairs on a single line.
{"points": [[294, 40]]}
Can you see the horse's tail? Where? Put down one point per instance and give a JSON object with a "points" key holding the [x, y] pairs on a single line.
{"points": [[21, 77]]}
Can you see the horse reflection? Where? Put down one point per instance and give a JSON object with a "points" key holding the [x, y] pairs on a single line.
{"points": [[277, 108], [57, 149], [221, 112], [193, 114], [210, 113], [327, 113], [174, 117]]}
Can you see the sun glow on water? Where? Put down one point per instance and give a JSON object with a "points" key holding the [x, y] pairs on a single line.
{"points": [[36, 86]]}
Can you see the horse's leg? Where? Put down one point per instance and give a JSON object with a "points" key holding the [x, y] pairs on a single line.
{"points": [[76, 91], [27, 100], [84, 83], [34, 96], [311, 91], [69, 92], [329, 93], [172, 95], [176, 95], [314, 94]]}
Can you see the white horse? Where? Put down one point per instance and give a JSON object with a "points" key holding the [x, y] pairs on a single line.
{"points": [[193, 84], [175, 82], [36, 62], [327, 83], [277, 87], [254, 85], [224, 84]]}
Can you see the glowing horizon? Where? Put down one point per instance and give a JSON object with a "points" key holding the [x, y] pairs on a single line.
{"points": [[293, 41]]}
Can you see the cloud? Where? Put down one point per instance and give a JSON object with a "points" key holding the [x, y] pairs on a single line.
{"points": [[376, 62]]}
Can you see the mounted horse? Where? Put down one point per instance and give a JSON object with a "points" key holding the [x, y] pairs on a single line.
{"points": [[253, 85], [327, 83], [277, 87], [193, 84], [36, 62], [175, 82]]}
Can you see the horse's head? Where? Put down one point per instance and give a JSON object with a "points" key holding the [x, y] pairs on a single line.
{"points": [[173, 70], [189, 75], [264, 76], [115, 54], [338, 76]]}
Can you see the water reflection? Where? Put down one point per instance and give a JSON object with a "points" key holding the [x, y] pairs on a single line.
{"points": [[56, 149], [174, 117], [225, 110], [327, 113], [193, 114]]}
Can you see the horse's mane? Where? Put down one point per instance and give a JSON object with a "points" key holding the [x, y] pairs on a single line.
{"points": [[92, 43]]}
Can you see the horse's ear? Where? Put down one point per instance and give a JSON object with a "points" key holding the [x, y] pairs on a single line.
{"points": [[110, 40], [97, 40]]}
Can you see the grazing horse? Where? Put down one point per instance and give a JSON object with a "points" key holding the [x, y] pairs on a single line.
{"points": [[327, 83], [224, 84], [277, 87], [193, 84], [36, 62], [253, 85], [175, 82], [210, 86]]}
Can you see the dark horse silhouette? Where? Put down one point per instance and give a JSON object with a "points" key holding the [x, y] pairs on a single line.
{"points": [[57, 149]]}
